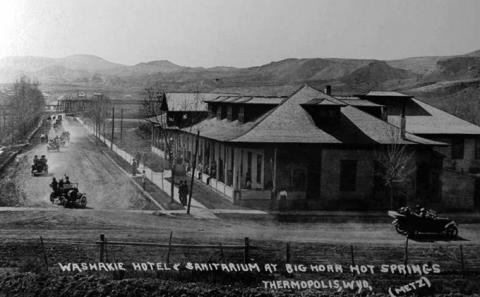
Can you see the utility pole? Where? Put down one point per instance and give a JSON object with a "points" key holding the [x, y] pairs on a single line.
{"points": [[121, 125], [105, 113], [193, 172], [113, 127]]}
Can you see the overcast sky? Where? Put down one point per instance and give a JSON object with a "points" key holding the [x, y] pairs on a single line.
{"points": [[238, 32]]}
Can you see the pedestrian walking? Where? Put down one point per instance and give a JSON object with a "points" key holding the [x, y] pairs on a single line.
{"points": [[134, 167], [181, 192], [144, 179], [283, 199], [186, 192]]}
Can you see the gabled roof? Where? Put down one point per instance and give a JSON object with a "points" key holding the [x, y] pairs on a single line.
{"points": [[323, 102], [356, 101], [379, 130], [436, 121], [386, 94], [360, 103], [291, 123], [189, 101], [223, 130], [269, 100]]}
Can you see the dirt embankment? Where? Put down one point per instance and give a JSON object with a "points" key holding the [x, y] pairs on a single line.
{"points": [[11, 193], [52, 285]]}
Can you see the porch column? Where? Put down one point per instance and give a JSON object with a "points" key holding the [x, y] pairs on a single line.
{"points": [[236, 168], [274, 177], [203, 153], [217, 159], [225, 163]]}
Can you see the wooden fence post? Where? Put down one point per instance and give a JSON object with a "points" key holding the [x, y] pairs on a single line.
{"points": [[287, 252], [352, 254], [246, 250], [102, 246], [406, 251], [43, 252], [169, 247], [222, 255], [462, 262]]}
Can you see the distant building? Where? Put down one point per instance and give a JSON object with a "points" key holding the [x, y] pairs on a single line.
{"points": [[187, 109], [183, 108]]}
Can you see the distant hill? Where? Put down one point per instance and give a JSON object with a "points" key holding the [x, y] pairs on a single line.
{"points": [[87, 62], [161, 66], [373, 75], [345, 75]]}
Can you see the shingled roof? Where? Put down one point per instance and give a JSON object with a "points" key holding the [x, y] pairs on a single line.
{"points": [[386, 94], [269, 100], [291, 123], [435, 121], [190, 101], [223, 130]]}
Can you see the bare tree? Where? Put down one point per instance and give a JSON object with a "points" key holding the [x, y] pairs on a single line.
{"points": [[396, 162], [97, 111], [155, 110], [26, 105]]}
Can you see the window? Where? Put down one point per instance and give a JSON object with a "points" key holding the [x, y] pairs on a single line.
{"points": [[241, 114], [230, 112], [235, 112], [212, 110], [348, 175], [457, 148], [259, 169], [477, 148]]}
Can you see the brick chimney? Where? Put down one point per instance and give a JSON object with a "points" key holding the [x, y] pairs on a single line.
{"points": [[328, 89]]}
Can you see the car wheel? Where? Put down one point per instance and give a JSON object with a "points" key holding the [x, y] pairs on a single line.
{"points": [[400, 230], [452, 232]]}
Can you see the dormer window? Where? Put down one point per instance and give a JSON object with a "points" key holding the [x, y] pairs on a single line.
{"points": [[229, 112], [323, 111], [241, 114], [234, 112], [212, 110]]}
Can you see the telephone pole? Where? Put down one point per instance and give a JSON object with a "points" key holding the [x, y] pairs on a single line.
{"points": [[121, 125], [113, 127], [193, 172]]}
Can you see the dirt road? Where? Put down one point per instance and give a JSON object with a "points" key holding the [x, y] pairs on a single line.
{"points": [[105, 185], [70, 235], [119, 210]]}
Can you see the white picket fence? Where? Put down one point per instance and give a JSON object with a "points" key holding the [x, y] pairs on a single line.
{"points": [[157, 178]]}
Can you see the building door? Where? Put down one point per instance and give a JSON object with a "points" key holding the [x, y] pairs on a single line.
{"points": [[257, 171], [314, 169], [476, 199]]}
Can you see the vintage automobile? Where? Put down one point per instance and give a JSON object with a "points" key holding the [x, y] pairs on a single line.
{"points": [[43, 138], [40, 167], [53, 145], [411, 223], [68, 196], [65, 138]]}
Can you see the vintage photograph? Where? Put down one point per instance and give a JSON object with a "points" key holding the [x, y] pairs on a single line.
{"points": [[239, 148]]}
